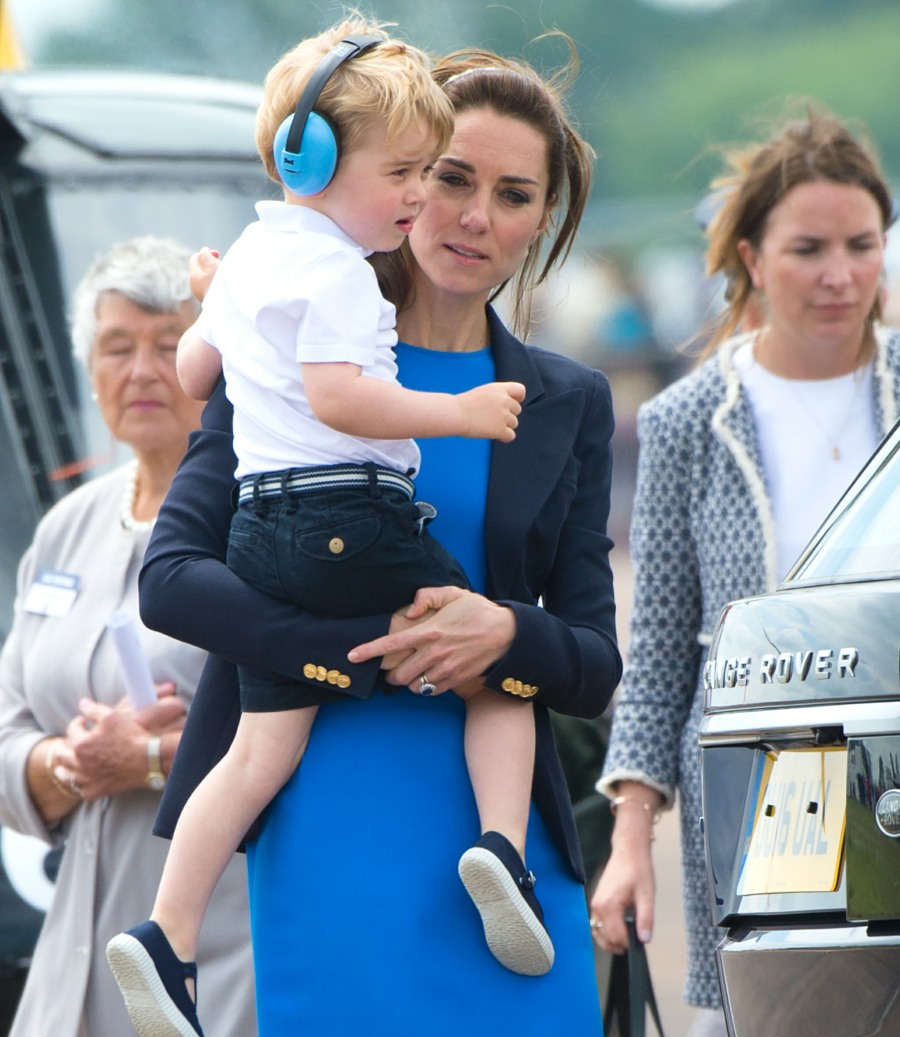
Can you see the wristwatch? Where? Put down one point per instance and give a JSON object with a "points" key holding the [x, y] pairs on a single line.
{"points": [[156, 780]]}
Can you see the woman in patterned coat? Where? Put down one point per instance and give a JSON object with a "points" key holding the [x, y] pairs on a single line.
{"points": [[721, 508]]}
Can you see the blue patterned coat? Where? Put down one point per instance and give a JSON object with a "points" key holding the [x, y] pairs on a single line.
{"points": [[702, 535]]}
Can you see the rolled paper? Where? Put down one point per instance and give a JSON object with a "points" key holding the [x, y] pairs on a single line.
{"points": [[135, 671]]}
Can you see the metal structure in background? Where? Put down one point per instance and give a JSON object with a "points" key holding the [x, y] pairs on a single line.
{"points": [[33, 390], [87, 159]]}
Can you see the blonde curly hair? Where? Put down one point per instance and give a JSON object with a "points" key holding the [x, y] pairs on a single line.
{"points": [[391, 81]]}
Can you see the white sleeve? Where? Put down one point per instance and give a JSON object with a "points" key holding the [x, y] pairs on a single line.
{"points": [[339, 319]]}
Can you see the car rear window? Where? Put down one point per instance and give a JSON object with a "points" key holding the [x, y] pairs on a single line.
{"points": [[861, 537]]}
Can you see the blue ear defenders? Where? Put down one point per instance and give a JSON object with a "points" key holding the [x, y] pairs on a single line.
{"points": [[307, 144]]}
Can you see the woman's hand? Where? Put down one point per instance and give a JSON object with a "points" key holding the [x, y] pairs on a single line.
{"points": [[627, 883], [105, 751], [399, 622], [450, 634]]}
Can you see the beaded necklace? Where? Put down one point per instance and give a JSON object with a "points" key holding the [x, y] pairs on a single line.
{"points": [[126, 514]]}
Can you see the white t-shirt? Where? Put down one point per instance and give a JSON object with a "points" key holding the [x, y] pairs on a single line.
{"points": [[814, 437], [294, 288]]}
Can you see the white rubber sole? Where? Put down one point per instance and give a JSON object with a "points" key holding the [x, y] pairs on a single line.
{"points": [[152, 1012], [514, 935]]}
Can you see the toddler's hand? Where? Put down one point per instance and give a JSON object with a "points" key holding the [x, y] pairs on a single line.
{"points": [[491, 411], [201, 267]]}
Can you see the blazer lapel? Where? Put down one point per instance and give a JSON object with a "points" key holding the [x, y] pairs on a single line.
{"points": [[524, 473]]}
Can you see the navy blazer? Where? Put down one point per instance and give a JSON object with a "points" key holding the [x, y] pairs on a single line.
{"points": [[548, 560]]}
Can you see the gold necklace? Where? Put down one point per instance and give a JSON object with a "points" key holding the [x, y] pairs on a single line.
{"points": [[832, 440]]}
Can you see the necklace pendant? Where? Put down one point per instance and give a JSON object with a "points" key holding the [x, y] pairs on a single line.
{"points": [[835, 453]]}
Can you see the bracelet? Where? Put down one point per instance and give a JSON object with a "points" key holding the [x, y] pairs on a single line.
{"points": [[156, 778], [615, 803], [66, 790]]}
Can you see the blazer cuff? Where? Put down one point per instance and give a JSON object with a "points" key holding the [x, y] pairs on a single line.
{"points": [[515, 672]]}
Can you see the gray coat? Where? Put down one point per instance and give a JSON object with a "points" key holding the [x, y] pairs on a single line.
{"points": [[112, 863], [702, 535]]}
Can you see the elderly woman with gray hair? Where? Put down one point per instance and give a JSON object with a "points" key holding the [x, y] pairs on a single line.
{"points": [[79, 765]]}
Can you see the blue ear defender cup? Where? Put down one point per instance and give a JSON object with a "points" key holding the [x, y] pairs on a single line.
{"points": [[307, 144], [309, 169]]}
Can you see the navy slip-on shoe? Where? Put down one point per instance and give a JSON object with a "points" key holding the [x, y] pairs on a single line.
{"points": [[152, 980], [502, 889]]}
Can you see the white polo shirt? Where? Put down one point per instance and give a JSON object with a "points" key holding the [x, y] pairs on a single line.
{"points": [[294, 288]]}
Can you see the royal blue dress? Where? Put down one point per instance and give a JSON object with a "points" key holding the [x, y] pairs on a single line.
{"points": [[361, 926]]}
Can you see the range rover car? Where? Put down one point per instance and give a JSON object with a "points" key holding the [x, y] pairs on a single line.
{"points": [[800, 745]]}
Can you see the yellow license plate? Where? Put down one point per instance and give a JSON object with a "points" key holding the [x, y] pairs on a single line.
{"points": [[798, 830]]}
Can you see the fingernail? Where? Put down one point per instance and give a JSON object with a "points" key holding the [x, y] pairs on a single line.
{"points": [[352, 655], [645, 936]]}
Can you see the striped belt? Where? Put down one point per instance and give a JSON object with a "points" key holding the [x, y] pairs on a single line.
{"points": [[295, 481]]}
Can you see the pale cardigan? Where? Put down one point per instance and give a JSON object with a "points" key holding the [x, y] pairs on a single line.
{"points": [[702, 535], [112, 862]]}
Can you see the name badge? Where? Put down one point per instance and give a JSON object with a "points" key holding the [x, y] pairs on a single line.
{"points": [[53, 593]]}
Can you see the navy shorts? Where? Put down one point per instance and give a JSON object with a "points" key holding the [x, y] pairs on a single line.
{"points": [[337, 551]]}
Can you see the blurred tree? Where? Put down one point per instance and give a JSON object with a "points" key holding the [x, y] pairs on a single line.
{"points": [[658, 86], [663, 137], [235, 38]]}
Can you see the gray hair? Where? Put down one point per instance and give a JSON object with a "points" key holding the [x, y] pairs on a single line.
{"points": [[150, 272]]}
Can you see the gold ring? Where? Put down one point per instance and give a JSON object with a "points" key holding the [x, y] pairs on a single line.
{"points": [[425, 686]]}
